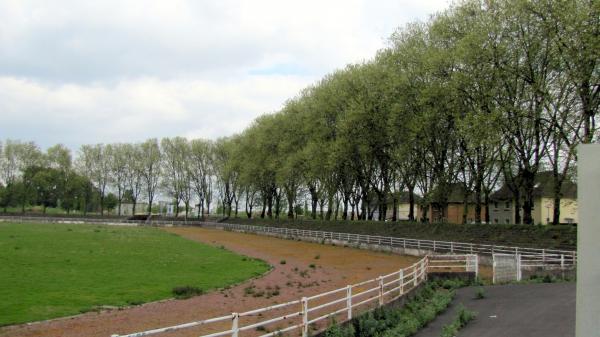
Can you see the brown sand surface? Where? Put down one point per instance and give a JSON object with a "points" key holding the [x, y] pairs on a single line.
{"points": [[334, 267]]}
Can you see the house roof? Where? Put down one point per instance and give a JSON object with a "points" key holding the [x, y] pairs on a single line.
{"points": [[543, 187]]}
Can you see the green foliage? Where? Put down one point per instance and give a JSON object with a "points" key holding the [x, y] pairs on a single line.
{"points": [[183, 292], [92, 266], [480, 293], [463, 317], [428, 302]]}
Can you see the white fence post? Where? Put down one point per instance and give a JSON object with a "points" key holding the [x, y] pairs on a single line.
{"points": [[476, 266], [235, 324], [493, 269], [452, 247], [304, 317], [415, 275], [349, 301], [380, 290], [562, 261], [401, 280], [519, 267]]}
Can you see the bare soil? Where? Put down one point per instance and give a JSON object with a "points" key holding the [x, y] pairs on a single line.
{"points": [[333, 267]]}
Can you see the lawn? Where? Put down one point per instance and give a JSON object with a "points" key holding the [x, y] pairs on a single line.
{"points": [[54, 270]]}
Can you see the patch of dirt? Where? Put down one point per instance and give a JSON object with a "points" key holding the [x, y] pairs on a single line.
{"points": [[309, 268]]}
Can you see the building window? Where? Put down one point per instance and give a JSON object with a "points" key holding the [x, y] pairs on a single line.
{"points": [[507, 221], [496, 220], [495, 205], [507, 205]]}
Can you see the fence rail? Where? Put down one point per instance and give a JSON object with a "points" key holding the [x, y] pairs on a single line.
{"points": [[342, 301], [568, 258]]}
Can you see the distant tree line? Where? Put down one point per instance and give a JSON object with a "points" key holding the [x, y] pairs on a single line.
{"points": [[483, 94]]}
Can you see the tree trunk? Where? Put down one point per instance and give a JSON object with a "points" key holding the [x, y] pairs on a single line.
{"points": [[487, 207], [411, 203], [558, 181], [345, 211], [528, 184], [290, 213], [478, 201]]}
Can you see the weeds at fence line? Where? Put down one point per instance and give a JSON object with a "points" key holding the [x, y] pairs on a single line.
{"points": [[480, 293], [428, 302]]}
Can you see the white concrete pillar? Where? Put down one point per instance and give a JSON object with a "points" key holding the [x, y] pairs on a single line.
{"points": [[588, 236]]}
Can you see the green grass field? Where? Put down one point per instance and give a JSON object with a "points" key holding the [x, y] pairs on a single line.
{"points": [[54, 270]]}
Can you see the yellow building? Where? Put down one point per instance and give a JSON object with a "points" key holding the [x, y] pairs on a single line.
{"points": [[502, 202]]}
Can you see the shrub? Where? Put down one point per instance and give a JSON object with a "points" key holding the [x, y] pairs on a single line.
{"points": [[480, 293], [312, 265], [463, 317], [282, 262], [184, 292]]}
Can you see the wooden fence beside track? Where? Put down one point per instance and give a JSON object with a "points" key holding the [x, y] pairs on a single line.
{"points": [[341, 303]]}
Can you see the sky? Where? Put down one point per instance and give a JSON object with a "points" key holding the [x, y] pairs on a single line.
{"points": [[85, 72]]}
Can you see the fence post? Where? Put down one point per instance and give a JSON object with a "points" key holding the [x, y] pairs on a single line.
{"points": [[235, 324], [452, 247], [349, 301], [476, 266], [519, 267], [493, 269], [562, 261], [544, 256], [401, 280], [434, 245], [380, 278], [304, 317], [415, 275]]}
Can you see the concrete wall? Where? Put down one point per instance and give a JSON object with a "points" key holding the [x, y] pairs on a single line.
{"points": [[588, 237]]}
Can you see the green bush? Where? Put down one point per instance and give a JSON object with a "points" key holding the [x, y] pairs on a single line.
{"points": [[429, 301], [480, 293], [463, 317], [184, 292]]}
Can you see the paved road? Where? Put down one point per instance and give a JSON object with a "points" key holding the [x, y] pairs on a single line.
{"points": [[523, 310]]}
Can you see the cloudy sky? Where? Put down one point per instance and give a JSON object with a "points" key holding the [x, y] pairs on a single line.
{"points": [[81, 72]]}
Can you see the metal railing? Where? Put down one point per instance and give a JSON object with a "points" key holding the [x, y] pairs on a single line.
{"points": [[341, 303]]}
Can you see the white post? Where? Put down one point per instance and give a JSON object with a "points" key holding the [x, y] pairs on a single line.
{"points": [[235, 324], [493, 270], [562, 261], [415, 275], [476, 266], [519, 267], [401, 280], [304, 317], [434, 245], [349, 301], [452, 247], [380, 290], [544, 256]]}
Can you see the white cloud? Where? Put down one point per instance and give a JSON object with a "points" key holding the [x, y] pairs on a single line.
{"points": [[81, 72]]}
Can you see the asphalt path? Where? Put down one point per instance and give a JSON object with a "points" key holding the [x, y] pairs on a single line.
{"points": [[520, 310]]}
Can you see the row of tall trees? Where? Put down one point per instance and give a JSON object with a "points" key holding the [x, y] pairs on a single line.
{"points": [[483, 94]]}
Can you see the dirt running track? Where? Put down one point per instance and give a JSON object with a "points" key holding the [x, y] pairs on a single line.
{"points": [[336, 267]]}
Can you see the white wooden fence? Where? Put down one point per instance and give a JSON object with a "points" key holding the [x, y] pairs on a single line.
{"points": [[538, 256], [566, 258], [340, 303], [510, 267]]}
